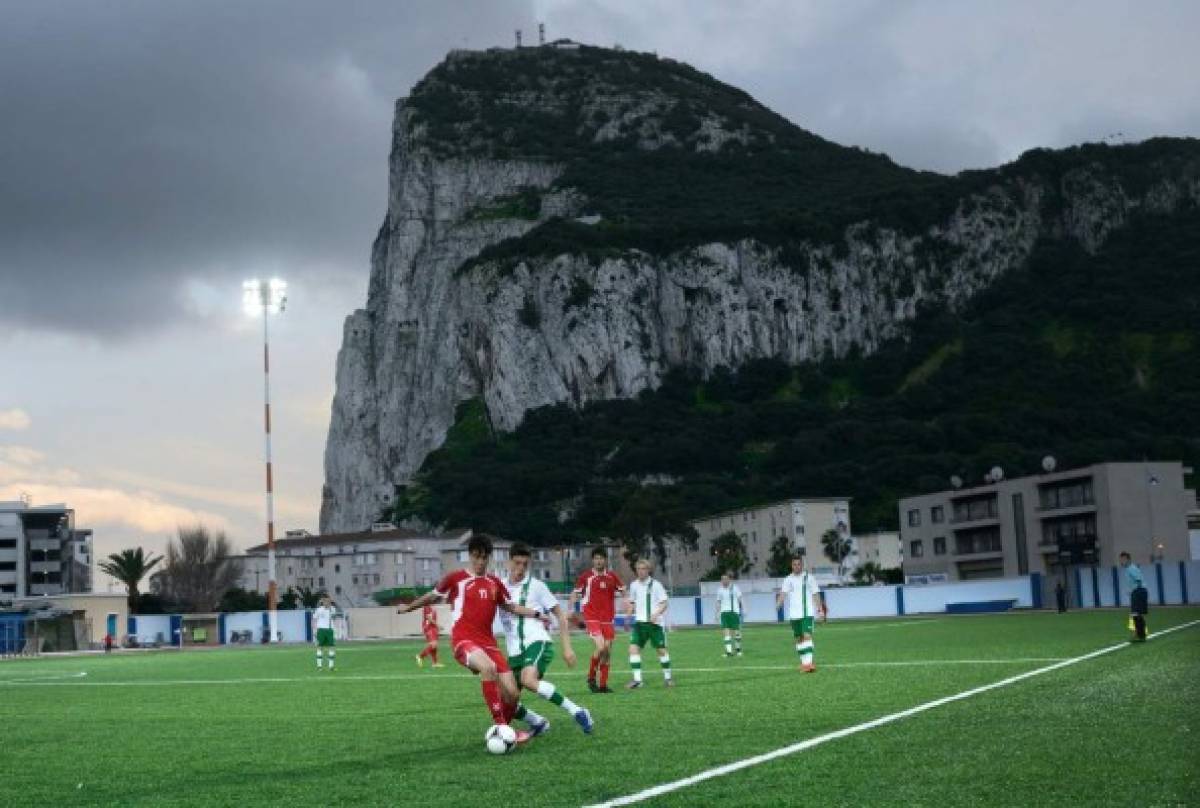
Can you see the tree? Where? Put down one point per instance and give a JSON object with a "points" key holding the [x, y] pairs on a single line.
{"points": [[836, 547], [779, 563], [308, 598], [867, 573], [289, 600], [729, 556], [130, 567], [237, 599], [199, 569], [650, 517]]}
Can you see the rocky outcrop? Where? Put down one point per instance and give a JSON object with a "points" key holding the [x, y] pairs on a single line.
{"points": [[527, 332]]}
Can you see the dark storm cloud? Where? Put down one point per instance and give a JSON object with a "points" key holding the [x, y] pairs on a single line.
{"points": [[145, 143]]}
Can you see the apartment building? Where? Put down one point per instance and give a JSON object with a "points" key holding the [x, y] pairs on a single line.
{"points": [[1046, 522], [801, 520], [41, 551], [882, 548], [352, 567]]}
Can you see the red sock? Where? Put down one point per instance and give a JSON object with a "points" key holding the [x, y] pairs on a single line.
{"points": [[433, 653], [592, 667], [495, 705], [424, 652], [604, 675]]}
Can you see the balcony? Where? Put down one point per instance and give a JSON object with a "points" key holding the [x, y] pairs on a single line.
{"points": [[1067, 509], [37, 567], [979, 555], [45, 544], [983, 520]]}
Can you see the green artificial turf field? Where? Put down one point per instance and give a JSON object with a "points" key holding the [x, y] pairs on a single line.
{"points": [[261, 726]]}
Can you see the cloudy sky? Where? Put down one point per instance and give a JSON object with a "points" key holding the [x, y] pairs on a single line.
{"points": [[154, 153]]}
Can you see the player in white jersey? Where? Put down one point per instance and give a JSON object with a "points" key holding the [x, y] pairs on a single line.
{"points": [[648, 607], [530, 650], [322, 620], [804, 603], [729, 614]]}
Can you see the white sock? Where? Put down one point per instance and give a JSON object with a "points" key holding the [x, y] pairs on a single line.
{"points": [[806, 652], [728, 646], [635, 662], [737, 641], [665, 661], [332, 653], [319, 661]]}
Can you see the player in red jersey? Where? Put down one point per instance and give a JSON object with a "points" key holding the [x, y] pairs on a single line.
{"points": [[598, 588], [475, 596], [429, 626]]}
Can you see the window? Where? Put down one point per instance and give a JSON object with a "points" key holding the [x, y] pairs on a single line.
{"points": [[289, 569], [754, 536], [980, 540], [425, 565], [399, 559], [376, 579], [462, 556], [542, 555], [354, 580], [914, 518], [970, 510], [321, 582], [937, 514], [321, 563], [7, 566], [1070, 494], [939, 545], [337, 590], [8, 544], [545, 575], [337, 567], [400, 578], [916, 548]]}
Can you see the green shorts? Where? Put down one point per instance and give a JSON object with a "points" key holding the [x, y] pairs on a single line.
{"points": [[325, 637], [537, 654], [648, 633], [731, 620], [802, 626]]}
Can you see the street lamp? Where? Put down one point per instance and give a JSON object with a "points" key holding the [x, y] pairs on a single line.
{"points": [[267, 297]]}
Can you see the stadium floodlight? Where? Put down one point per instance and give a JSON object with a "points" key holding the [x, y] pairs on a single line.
{"points": [[265, 298]]}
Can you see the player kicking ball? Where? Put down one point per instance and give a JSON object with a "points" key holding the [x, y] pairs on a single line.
{"points": [[530, 650], [647, 605], [804, 602], [729, 613], [322, 620], [429, 627], [597, 589], [475, 596]]}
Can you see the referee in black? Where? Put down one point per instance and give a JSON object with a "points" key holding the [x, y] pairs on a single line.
{"points": [[1139, 598]]}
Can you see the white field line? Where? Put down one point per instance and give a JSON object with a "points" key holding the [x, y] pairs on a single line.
{"points": [[37, 678], [327, 677], [745, 763]]}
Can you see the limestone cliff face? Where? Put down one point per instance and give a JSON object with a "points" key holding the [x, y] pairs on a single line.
{"points": [[531, 331]]}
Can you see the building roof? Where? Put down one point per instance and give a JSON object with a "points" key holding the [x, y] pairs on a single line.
{"points": [[361, 537]]}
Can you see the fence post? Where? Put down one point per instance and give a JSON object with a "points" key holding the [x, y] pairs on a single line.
{"points": [[1035, 586], [1183, 580], [900, 601], [1162, 595], [699, 612], [1096, 587], [1116, 587]]}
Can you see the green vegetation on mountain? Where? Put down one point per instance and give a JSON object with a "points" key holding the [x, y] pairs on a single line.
{"points": [[1087, 357]]}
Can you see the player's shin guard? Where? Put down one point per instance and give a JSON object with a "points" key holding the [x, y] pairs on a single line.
{"points": [[737, 641], [665, 661], [805, 649], [635, 662], [332, 655], [604, 674], [320, 662], [728, 645], [495, 704], [595, 663]]}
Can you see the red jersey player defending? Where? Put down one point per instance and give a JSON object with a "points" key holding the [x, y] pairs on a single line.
{"points": [[475, 596], [429, 625], [598, 588]]}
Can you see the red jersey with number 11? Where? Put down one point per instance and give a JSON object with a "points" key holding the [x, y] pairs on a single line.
{"points": [[473, 600], [599, 591]]}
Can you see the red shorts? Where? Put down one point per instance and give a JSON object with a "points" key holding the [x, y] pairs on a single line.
{"points": [[465, 647], [600, 628], [431, 635]]}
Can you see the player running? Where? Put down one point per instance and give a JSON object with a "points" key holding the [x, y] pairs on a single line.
{"points": [[598, 588], [530, 650], [729, 613], [429, 626], [804, 601], [322, 620], [475, 597], [648, 606]]}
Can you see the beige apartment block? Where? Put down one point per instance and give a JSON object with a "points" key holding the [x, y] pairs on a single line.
{"points": [[1041, 523]]}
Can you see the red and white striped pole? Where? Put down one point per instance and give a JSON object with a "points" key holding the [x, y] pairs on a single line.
{"points": [[269, 298]]}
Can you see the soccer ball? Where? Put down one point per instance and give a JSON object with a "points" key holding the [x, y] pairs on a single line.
{"points": [[500, 739]]}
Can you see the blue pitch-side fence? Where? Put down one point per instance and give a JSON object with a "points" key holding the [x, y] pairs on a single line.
{"points": [[1170, 583]]}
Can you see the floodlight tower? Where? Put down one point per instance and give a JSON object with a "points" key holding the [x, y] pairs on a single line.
{"points": [[267, 297]]}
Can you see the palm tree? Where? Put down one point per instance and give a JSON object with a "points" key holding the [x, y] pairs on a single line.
{"points": [[130, 567], [836, 548], [869, 572]]}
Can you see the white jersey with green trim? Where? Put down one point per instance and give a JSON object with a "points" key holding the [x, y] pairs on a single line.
{"points": [[323, 616], [799, 590], [729, 599], [521, 632], [647, 596]]}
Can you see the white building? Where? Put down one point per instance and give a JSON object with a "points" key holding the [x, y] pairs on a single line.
{"points": [[41, 552], [802, 521], [882, 548]]}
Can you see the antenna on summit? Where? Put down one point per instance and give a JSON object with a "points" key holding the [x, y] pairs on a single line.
{"points": [[541, 33], [518, 38]]}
